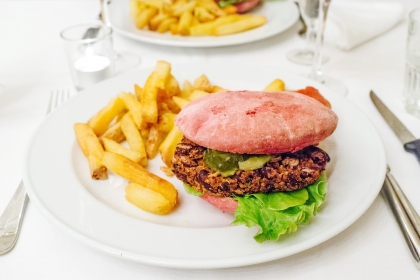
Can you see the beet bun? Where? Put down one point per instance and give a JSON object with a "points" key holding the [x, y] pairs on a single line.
{"points": [[254, 122]]}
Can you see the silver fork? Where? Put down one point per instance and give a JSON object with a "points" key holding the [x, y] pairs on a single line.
{"points": [[11, 219]]}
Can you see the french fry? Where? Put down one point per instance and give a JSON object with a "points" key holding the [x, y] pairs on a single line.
{"points": [[114, 147], [181, 102], [172, 86], [133, 137], [114, 133], [101, 120], [230, 10], [166, 24], [168, 146], [134, 107], [92, 149], [97, 170], [185, 21], [162, 72], [157, 20], [137, 174], [179, 8], [187, 89], [163, 98], [241, 25], [143, 18], [147, 199], [148, 100], [211, 6], [218, 89], [134, 9], [137, 92], [195, 21], [153, 3], [168, 171], [203, 15], [153, 141], [197, 94], [276, 85], [166, 122], [202, 83], [119, 116], [206, 29], [173, 28]]}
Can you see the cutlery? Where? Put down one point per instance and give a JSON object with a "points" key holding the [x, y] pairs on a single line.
{"points": [[11, 219], [411, 144], [406, 216]]}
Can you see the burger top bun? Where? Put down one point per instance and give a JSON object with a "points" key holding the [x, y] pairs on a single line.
{"points": [[253, 122]]}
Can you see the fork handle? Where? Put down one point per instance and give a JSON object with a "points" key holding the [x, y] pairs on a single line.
{"points": [[11, 219]]}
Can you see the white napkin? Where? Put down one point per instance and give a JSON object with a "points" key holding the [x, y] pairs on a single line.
{"points": [[352, 23]]}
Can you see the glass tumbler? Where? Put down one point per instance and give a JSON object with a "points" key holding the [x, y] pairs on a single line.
{"points": [[90, 53], [412, 65]]}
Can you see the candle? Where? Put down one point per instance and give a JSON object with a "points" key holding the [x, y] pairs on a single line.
{"points": [[89, 70]]}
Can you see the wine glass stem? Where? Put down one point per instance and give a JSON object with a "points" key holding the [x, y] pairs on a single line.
{"points": [[317, 62], [310, 37]]}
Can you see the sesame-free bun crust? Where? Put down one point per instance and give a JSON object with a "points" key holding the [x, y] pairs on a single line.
{"points": [[252, 122]]}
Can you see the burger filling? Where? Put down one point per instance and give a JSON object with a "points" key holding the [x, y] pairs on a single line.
{"points": [[226, 174]]}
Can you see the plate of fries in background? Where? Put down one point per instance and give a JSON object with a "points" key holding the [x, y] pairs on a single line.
{"points": [[198, 23], [98, 167]]}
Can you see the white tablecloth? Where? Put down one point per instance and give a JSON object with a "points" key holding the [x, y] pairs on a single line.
{"points": [[32, 64]]}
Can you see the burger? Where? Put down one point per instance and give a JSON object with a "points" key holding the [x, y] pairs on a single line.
{"points": [[255, 154], [242, 6]]}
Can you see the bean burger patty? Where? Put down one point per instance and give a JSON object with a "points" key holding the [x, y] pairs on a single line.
{"points": [[283, 172]]}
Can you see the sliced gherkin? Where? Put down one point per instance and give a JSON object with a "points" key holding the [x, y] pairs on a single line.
{"points": [[227, 163], [223, 162], [253, 162]]}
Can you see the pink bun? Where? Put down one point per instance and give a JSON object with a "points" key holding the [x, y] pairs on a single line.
{"points": [[226, 204], [252, 122]]}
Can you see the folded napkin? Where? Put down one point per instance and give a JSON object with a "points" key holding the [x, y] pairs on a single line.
{"points": [[352, 23]]}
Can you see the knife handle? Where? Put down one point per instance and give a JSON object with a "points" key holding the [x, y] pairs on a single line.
{"points": [[414, 148]]}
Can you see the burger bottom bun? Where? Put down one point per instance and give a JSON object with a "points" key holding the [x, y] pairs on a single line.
{"points": [[226, 204]]}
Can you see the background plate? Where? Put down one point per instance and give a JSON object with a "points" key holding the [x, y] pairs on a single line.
{"points": [[280, 15], [195, 235]]}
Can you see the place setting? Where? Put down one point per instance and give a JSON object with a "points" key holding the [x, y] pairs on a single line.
{"points": [[206, 167]]}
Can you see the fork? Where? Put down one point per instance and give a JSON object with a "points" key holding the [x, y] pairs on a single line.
{"points": [[11, 219]]}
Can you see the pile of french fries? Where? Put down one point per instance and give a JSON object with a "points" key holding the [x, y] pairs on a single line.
{"points": [[191, 17], [145, 122]]}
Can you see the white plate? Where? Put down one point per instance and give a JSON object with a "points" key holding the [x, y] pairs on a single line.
{"points": [[195, 235], [280, 15]]}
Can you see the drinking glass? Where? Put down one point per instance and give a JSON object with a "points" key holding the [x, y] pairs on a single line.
{"points": [[309, 12], [91, 56], [317, 73], [90, 53], [412, 62]]}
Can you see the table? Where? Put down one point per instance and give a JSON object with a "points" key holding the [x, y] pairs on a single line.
{"points": [[32, 65]]}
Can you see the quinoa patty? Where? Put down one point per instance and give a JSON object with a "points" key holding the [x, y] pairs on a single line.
{"points": [[284, 172]]}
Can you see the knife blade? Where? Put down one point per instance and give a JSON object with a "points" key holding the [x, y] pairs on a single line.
{"points": [[411, 144]]}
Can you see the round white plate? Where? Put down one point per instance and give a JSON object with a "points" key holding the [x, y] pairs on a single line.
{"points": [[196, 234], [280, 15]]}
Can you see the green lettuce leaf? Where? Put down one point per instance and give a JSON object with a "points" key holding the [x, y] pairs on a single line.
{"points": [[280, 213], [191, 190], [225, 3]]}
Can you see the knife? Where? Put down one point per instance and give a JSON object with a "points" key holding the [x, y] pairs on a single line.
{"points": [[411, 144]]}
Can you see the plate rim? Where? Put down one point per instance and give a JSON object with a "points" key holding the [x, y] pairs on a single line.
{"points": [[200, 264]]}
